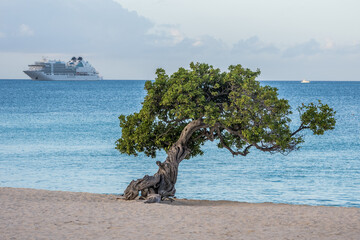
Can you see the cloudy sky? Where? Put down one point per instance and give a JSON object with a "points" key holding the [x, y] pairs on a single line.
{"points": [[129, 39]]}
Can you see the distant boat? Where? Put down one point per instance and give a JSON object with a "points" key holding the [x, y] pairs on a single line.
{"points": [[51, 70], [305, 81]]}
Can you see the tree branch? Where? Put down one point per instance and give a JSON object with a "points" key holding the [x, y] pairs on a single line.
{"points": [[189, 130], [302, 127], [234, 153], [209, 135]]}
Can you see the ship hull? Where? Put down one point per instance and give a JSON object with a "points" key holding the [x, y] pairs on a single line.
{"points": [[40, 76]]}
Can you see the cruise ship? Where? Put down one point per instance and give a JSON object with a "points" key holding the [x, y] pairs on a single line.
{"points": [[54, 70]]}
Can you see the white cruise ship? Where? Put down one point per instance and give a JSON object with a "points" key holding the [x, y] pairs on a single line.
{"points": [[52, 70]]}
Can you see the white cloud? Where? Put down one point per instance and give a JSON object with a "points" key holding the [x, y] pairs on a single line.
{"points": [[254, 45], [310, 47], [197, 43], [166, 35], [25, 30], [329, 44], [278, 21], [177, 35]]}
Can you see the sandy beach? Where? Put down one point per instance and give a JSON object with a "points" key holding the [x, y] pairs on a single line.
{"points": [[41, 214]]}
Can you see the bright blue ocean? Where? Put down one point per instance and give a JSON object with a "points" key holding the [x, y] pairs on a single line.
{"points": [[61, 136]]}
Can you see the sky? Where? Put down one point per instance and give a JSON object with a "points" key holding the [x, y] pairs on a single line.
{"points": [[129, 39]]}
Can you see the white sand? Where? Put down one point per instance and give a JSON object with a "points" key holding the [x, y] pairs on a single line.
{"points": [[40, 214]]}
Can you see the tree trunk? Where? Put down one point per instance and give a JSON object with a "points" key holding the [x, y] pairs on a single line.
{"points": [[162, 184]]}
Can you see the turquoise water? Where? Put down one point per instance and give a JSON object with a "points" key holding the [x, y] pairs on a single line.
{"points": [[61, 136]]}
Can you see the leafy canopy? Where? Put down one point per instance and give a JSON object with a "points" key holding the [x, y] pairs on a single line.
{"points": [[233, 107]]}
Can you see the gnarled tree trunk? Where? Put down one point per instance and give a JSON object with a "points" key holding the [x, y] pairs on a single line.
{"points": [[162, 184]]}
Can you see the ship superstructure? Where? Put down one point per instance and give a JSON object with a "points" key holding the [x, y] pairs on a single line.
{"points": [[55, 70]]}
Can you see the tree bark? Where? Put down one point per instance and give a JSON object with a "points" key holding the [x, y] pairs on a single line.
{"points": [[162, 184]]}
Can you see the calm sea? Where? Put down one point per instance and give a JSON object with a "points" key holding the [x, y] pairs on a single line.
{"points": [[61, 136]]}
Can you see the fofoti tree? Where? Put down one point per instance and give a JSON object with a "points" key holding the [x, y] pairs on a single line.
{"points": [[182, 111]]}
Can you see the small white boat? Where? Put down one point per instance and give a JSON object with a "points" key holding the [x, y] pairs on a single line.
{"points": [[305, 81]]}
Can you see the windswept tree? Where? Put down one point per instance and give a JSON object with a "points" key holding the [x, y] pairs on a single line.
{"points": [[182, 111]]}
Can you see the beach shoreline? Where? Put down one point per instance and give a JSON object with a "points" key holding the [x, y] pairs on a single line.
{"points": [[43, 214]]}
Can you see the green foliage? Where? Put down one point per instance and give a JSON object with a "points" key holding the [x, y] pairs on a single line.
{"points": [[318, 118], [233, 107]]}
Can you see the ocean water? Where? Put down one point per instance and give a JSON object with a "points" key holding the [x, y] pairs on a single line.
{"points": [[61, 136]]}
